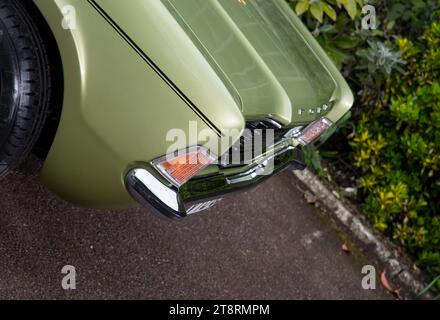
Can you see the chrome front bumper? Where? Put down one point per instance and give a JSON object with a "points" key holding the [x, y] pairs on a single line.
{"points": [[150, 189]]}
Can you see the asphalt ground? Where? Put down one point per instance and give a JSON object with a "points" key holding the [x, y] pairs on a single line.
{"points": [[267, 243]]}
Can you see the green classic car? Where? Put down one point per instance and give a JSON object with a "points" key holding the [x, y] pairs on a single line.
{"points": [[161, 102]]}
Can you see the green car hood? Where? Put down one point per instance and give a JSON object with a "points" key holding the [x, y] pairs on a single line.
{"points": [[260, 50]]}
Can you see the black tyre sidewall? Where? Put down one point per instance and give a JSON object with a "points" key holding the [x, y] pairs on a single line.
{"points": [[9, 84], [29, 100]]}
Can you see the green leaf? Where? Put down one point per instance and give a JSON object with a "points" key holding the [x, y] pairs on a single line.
{"points": [[346, 42], [337, 56], [351, 7], [329, 11], [301, 7], [316, 11], [391, 24], [327, 28], [429, 286], [313, 159]]}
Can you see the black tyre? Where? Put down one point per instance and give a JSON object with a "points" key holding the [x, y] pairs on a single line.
{"points": [[25, 82]]}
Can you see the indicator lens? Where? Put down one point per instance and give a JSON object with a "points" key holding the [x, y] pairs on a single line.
{"points": [[314, 131], [180, 167]]}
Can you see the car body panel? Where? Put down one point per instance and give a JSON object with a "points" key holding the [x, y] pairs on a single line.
{"points": [[133, 72], [258, 47], [155, 31], [117, 111], [257, 50]]}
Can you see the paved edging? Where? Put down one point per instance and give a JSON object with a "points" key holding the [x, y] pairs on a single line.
{"points": [[361, 230]]}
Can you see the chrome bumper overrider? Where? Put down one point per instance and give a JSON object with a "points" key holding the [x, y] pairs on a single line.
{"points": [[150, 189]]}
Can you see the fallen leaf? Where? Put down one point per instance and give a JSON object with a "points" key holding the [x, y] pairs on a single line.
{"points": [[385, 283], [397, 294], [345, 248]]}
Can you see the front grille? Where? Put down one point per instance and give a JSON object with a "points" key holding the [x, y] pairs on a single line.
{"points": [[256, 139]]}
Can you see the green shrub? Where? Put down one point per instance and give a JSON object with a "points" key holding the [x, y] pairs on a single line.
{"points": [[397, 151], [318, 8]]}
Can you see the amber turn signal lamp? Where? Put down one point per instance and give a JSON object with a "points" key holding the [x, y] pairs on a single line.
{"points": [[178, 168]]}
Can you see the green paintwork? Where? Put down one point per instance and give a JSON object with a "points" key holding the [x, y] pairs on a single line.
{"points": [[260, 51], [231, 61]]}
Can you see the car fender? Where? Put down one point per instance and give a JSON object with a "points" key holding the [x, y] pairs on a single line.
{"points": [[118, 109]]}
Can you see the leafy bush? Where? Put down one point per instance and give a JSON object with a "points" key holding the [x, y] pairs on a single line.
{"points": [[318, 8], [398, 153], [394, 148]]}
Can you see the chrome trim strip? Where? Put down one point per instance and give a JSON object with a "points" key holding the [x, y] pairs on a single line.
{"points": [[273, 122], [165, 194], [150, 189], [265, 167]]}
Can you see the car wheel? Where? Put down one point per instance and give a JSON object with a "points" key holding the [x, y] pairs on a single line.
{"points": [[25, 83]]}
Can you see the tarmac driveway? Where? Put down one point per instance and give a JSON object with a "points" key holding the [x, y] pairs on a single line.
{"points": [[263, 244]]}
